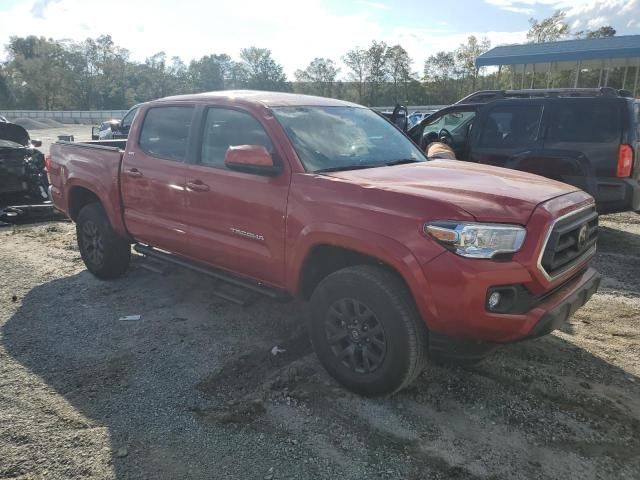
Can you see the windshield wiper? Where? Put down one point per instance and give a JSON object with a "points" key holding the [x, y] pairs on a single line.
{"points": [[369, 165], [344, 168], [402, 161]]}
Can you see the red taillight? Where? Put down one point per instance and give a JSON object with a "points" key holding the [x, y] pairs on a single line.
{"points": [[625, 161], [47, 163]]}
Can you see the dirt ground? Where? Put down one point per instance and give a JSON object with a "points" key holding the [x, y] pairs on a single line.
{"points": [[191, 389], [48, 136]]}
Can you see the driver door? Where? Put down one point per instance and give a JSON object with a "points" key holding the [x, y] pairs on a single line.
{"points": [[451, 126], [236, 220]]}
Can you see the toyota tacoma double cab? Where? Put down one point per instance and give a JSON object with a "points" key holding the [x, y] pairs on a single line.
{"points": [[399, 257]]}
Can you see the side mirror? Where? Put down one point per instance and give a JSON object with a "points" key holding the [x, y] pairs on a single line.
{"points": [[115, 127], [95, 133], [254, 159], [36, 143]]}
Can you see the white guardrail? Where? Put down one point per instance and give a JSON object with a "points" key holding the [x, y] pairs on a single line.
{"points": [[66, 115]]}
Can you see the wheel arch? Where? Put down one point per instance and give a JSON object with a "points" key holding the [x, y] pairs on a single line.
{"points": [[81, 193], [79, 197], [322, 253]]}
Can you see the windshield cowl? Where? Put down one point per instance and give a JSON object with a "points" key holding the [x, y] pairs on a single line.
{"points": [[392, 163]]}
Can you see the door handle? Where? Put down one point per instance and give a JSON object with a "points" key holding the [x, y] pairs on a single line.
{"points": [[197, 185], [133, 172]]}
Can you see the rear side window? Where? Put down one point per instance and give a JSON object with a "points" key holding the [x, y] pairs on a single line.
{"points": [[165, 132], [585, 122], [224, 128], [637, 107], [510, 126]]}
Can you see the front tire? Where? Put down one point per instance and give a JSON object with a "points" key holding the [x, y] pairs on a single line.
{"points": [[104, 252], [366, 330]]}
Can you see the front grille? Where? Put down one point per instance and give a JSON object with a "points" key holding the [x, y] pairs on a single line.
{"points": [[570, 240]]}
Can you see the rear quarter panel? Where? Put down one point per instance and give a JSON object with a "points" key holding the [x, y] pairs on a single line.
{"points": [[93, 167]]}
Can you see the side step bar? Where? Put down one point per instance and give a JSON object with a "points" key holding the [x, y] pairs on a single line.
{"points": [[212, 272]]}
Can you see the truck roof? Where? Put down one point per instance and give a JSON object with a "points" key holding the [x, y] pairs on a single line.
{"points": [[267, 99]]}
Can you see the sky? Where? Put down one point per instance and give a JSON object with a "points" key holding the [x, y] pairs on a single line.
{"points": [[296, 31]]}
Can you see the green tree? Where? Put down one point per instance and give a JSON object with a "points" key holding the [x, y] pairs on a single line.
{"points": [[320, 74], [210, 72], [102, 71], [262, 71], [605, 31], [548, 29], [440, 78], [356, 61], [376, 68], [466, 55], [440, 67], [38, 71], [400, 71]]}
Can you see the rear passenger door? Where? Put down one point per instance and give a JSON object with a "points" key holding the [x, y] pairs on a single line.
{"points": [[153, 177], [236, 220], [509, 134]]}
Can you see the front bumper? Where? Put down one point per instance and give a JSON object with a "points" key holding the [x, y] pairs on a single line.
{"points": [[544, 318], [617, 194], [572, 296], [460, 298]]}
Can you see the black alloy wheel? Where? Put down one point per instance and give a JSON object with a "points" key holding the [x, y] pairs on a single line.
{"points": [[355, 335]]}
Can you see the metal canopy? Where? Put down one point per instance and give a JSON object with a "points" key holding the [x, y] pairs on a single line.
{"points": [[619, 51]]}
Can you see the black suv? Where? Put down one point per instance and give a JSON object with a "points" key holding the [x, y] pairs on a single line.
{"points": [[589, 138]]}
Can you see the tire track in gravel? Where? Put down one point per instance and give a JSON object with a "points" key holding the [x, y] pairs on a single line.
{"points": [[565, 406]]}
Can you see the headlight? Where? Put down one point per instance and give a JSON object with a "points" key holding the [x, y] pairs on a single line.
{"points": [[477, 240]]}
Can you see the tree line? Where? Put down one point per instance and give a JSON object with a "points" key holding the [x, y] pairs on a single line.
{"points": [[50, 74], [97, 74]]}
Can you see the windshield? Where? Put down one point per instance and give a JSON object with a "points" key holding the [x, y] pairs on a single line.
{"points": [[343, 138], [128, 118], [10, 144]]}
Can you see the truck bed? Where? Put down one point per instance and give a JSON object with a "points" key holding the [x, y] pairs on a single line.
{"points": [[119, 144], [76, 168]]}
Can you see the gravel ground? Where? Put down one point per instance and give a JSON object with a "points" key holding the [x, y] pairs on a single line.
{"points": [[48, 136], [191, 390]]}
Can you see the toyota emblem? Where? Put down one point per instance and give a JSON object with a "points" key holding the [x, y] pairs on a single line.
{"points": [[582, 236]]}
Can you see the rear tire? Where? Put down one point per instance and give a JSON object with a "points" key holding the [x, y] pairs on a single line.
{"points": [[105, 254], [366, 330]]}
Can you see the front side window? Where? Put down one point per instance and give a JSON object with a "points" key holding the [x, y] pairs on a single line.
{"points": [[165, 132], [511, 126], [224, 128], [343, 138]]}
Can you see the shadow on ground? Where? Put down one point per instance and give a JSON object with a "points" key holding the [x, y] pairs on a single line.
{"points": [[191, 390]]}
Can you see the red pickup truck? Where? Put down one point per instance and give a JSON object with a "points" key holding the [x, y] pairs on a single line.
{"points": [[398, 256]]}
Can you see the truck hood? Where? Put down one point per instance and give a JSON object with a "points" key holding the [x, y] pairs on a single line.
{"points": [[10, 132], [490, 194]]}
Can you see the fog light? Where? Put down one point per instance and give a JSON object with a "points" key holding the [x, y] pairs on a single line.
{"points": [[494, 300]]}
